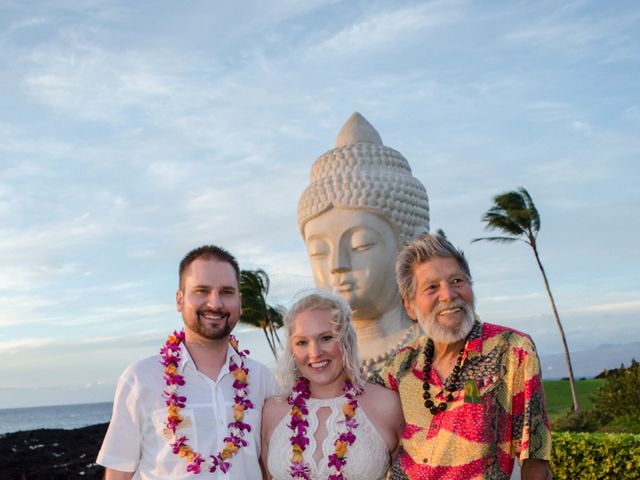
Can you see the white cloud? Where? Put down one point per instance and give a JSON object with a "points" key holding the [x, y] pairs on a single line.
{"points": [[89, 82], [169, 173], [383, 30], [39, 239], [25, 278], [557, 34], [119, 315], [581, 127], [573, 27], [26, 23], [497, 299], [614, 307], [547, 105], [9, 346]]}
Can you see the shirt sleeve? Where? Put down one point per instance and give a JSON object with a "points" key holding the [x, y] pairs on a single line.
{"points": [[121, 446], [531, 432], [392, 370], [269, 385]]}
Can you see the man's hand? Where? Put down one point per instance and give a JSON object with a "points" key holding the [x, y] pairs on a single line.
{"points": [[534, 469], [111, 474]]}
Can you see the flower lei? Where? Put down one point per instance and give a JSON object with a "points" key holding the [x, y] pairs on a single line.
{"points": [[170, 353], [299, 424]]}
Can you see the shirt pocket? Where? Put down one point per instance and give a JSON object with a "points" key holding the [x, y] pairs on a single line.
{"points": [[475, 416], [164, 435], [487, 384]]}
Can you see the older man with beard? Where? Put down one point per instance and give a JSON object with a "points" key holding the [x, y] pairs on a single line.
{"points": [[471, 391], [196, 407]]}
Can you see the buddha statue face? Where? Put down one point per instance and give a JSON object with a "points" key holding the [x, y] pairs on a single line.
{"points": [[353, 253]]}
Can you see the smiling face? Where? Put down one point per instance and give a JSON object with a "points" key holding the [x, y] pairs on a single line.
{"points": [[317, 353], [209, 300], [443, 303], [353, 253]]}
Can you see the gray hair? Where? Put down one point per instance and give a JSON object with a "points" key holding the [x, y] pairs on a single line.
{"points": [[286, 371], [421, 250]]}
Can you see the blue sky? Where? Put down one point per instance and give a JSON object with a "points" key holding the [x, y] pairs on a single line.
{"points": [[131, 132]]}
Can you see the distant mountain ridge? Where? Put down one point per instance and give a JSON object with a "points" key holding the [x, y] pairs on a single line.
{"points": [[589, 363]]}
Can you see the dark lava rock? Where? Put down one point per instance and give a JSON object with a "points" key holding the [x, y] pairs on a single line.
{"points": [[52, 454]]}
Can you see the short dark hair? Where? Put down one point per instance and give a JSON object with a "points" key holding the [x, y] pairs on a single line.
{"points": [[207, 252], [420, 250]]}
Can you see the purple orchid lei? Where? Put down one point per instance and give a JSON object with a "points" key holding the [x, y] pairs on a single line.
{"points": [[170, 354], [298, 400]]}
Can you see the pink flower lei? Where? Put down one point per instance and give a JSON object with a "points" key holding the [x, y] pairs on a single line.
{"points": [[170, 353], [299, 424]]}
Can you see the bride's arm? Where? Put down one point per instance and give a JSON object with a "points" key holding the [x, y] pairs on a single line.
{"points": [[269, 420], [385, 411]]}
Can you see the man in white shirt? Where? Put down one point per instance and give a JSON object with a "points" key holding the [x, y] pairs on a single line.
{"points": [[196, 408]]}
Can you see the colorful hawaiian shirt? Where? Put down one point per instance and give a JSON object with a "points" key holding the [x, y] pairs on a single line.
{"points": [[497, 412]]}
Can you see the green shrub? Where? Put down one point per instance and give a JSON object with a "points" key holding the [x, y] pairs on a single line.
{"points": [[626, 424], [585, 421], [618, 397], [595, 456]]}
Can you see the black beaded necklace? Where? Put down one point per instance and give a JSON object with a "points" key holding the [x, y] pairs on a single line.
{"points": [[452, 380]]}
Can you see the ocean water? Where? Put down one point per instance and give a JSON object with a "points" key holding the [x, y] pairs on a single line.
{"points": [[59, 416]]}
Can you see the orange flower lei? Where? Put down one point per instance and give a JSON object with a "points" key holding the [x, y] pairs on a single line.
{"points": [[170, 353]]}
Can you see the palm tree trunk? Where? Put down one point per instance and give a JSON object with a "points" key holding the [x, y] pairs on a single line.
{"points": [[572, 382], [266, 334], [275, 332], [273, 340]]}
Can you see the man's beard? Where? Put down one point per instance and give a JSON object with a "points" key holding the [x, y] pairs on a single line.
{"points": [[444, 333], [211, 332]]}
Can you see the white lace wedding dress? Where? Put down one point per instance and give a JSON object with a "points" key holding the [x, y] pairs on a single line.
{"points": [[367, 458]]}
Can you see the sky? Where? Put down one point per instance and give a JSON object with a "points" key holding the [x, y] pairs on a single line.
{"points": [[132, 132]]}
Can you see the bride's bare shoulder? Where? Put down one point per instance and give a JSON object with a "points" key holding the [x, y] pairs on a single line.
{"points": [[276, 403], [274, 409], [375, 390], [380, 400]]}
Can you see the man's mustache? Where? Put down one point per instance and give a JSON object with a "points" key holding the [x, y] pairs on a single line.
{"points": [[204, 311], [457, 303]]}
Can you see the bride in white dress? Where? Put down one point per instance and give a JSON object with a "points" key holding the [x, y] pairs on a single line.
{"points": [[329, 423]]}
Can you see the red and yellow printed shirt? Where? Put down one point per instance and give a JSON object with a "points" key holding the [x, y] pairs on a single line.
{"points": [[497, 413]]}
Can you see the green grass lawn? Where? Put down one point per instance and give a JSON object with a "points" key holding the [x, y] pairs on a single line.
{"points": [[558, 395]]}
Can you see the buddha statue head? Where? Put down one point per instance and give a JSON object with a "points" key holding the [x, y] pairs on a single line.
{"points": [[361, 206]]}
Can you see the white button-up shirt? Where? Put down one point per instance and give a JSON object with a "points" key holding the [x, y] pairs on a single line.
{"points": [[138, 439]]}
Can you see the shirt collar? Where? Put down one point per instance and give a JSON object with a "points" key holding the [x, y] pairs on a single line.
{"points": [[474, 343], [186, 360]]}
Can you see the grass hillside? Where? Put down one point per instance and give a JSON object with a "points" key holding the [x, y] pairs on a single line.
{"points": [[558, 395]]}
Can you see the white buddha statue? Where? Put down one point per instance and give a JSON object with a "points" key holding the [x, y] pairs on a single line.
{"points": [[361, 206]]}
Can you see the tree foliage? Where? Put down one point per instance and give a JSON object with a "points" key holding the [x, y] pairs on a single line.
{"points": [[515, 214], [617, 402], [616, 405], [254, 287], [440, 233]]}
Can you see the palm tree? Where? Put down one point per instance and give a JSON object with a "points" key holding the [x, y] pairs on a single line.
{"points": [[515, 214], [254, 287]]}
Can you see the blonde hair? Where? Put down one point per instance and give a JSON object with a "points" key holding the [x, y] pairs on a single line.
{"points": [[287, 373]]}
